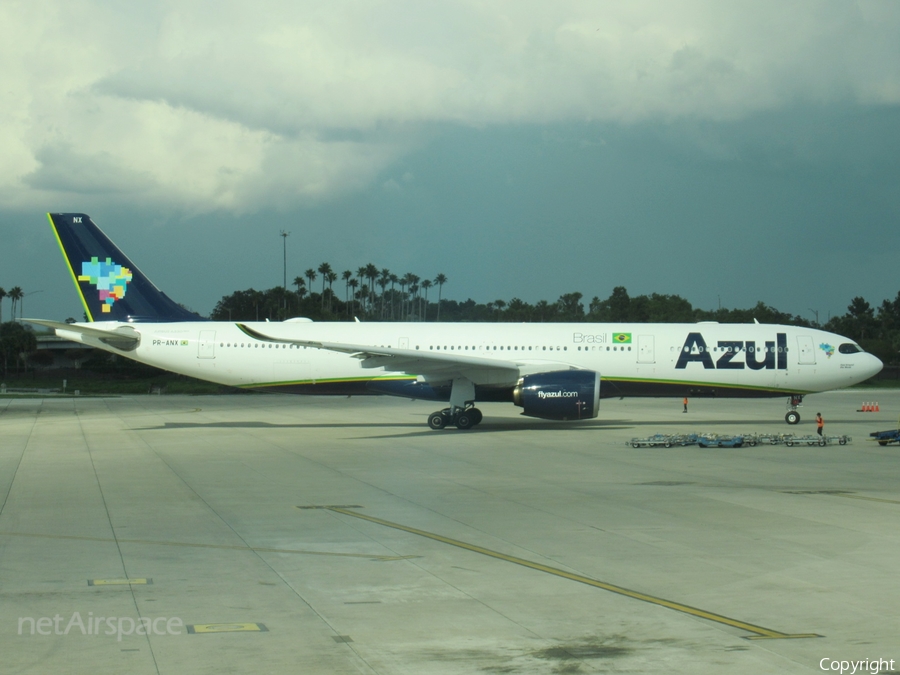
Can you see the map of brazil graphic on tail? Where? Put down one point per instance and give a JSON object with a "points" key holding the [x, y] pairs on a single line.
{"points": [[111, 280]]}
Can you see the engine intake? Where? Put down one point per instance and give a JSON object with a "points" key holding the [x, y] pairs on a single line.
{"points": [[559, 395]]}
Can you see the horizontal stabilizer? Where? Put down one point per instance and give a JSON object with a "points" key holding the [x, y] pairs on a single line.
{"points": [[124, 338]]}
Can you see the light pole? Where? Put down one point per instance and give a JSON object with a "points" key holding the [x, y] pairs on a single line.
{"points": [[22, 303], [284, 236], [816, 312]]}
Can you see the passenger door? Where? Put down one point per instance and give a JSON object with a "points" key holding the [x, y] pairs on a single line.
{"points": [[206, 346]]}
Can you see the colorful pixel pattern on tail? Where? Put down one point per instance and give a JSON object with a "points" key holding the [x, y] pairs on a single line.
{"points": [[111, 280]]}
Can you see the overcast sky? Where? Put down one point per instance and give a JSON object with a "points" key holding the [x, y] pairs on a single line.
{"points": [[724, 152]]}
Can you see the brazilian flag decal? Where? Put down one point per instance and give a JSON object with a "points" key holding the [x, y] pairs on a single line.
{"points": [[622, 338]]}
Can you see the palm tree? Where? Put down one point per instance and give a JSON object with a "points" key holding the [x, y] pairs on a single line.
{"points": [[354, 284], [15, 294], [413, 295], [426, 285], [363, 295], [324, 270], [404, 282], [298, 282], [413, 291], [310, 274], [394, 279], [2, 295], [360, 275], [346, 275], [371, 275], [499, 304], [440, 280], [383, 282], [332, 277]]}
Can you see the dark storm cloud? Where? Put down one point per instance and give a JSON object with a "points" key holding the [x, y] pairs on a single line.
{"points": [[524, 148]]}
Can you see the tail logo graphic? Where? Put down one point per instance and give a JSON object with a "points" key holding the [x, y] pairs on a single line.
{"points": [[110, 279]]}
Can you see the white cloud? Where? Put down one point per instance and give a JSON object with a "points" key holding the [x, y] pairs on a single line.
{"points": [[228, 105]]}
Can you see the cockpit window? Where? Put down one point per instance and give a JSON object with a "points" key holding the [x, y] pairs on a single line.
{"points": [[849, 348]]}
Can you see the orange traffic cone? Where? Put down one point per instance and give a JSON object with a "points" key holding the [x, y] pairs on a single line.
{"points": [[877, 407]]}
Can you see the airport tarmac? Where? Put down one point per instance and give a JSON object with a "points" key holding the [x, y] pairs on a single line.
{"points": [[278, 534]]}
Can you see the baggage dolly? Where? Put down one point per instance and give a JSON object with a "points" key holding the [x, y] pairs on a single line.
{"points": [[817, 440], [886, 437]]}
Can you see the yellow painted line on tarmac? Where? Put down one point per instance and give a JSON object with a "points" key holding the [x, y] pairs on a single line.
{"points": [[215, 546], [119, 582], [199, 628], [759, 632]]}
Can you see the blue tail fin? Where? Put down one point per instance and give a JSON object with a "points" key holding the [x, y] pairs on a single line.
{"points": [[110, 286]]}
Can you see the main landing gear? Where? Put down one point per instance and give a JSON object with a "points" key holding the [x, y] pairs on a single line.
{"points": [[461, 412], [464, 419], [792, 416]]}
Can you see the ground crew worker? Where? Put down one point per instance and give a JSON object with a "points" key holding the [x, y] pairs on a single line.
{"points": [[685, 404], [820, 424]]}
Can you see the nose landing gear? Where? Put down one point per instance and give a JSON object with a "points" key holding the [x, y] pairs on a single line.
{"points": [[794, 402]]}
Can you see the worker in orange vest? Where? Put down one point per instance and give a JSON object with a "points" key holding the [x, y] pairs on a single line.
{"points": [[820, 423], [685, 404]]}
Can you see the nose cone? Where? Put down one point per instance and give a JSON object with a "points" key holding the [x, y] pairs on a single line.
{"points": [[871, 367]]}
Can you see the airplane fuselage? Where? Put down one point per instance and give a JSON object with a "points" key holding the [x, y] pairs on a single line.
{"points": [[705, 359]]}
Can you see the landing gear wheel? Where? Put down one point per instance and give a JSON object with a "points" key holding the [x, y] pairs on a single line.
{"points": [[464, 420], [437, 420], [793, 417], [476, 415]]}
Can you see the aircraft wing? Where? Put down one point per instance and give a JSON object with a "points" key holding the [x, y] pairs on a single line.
{"points": [[412, 361], [125, 338]]}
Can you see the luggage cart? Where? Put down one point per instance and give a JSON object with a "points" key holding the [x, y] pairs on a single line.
{"points": [[653, 441], [817, 440], [773, 439], [804, 440], [685, 439], [720, 441]]}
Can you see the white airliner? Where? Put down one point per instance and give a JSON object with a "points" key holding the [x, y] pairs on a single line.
{"points": [[552, 371]]}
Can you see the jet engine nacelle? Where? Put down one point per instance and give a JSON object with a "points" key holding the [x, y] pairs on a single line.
{"points": [[559, 395]]}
